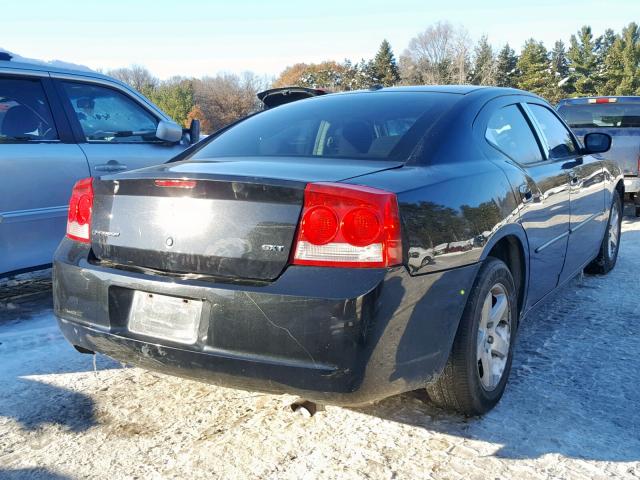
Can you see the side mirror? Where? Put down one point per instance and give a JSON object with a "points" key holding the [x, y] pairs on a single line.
{"points": [[194, 131], [168, 131], [596, 143]]}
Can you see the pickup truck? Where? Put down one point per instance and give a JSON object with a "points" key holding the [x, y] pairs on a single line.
{"points": [[620, 118]]}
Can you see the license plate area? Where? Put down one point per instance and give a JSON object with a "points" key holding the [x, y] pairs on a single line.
{"points": [[165, 317]]}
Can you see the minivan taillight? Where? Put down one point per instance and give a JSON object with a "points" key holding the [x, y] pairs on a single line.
{"points": [[348, 226], [80, 206]]}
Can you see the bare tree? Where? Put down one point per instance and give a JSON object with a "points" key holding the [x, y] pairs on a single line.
{"points": [[439, 55], [226, 98], [137, 76]]}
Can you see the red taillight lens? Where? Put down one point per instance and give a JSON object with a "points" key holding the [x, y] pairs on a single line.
{"points": [[80, 207], [348, 226], [321, 225]]}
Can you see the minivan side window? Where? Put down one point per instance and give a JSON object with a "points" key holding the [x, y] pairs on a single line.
{"points": [[108, 116], [25, 115], [510, 132], [559, 140]]}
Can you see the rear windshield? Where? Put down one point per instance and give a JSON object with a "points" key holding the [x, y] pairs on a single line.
{"points": [[368, 126], [602, 115]]}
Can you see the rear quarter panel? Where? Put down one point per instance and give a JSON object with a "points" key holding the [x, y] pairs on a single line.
{"points": [[451, 213]]}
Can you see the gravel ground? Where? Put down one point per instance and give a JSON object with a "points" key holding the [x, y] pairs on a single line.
{"points": [[571, 409]]}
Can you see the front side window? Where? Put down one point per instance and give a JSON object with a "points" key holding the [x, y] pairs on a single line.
{"points": [[25, 115], [559, 140], [367, 126], [107, 115], [510, 132]]}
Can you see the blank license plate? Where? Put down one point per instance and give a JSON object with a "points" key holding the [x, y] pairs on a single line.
{"points": [[169, 318]]}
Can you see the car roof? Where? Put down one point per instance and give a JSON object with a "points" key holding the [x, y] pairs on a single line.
{"points": [[43, 67], [456, 89]]}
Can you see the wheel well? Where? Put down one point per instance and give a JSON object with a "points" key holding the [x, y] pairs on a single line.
{"points": [[509, 250]]}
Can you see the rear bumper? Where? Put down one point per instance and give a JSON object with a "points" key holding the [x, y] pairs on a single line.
{"points": [[337, 336], [631, 184]]}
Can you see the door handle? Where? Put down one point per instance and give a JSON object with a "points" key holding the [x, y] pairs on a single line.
{"points": [[575, 180], [111, 166]]}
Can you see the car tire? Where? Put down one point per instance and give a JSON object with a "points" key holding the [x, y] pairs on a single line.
{"points": [[466, 385], [608, 254]]}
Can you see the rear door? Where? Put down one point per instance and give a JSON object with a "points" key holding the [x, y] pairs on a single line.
{"points": [[115, 131], [39, 164], [587, 192], [544, 192]]}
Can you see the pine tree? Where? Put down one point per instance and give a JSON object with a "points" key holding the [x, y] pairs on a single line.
{"points": [[384, 66], [583, 61], [612, 68], [484, 64], [630, 82], [506, 67], [560, 68], [535, 71]]}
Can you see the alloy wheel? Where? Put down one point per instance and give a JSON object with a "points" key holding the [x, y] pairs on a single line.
{"points": [[614, 230], [494, 337]]}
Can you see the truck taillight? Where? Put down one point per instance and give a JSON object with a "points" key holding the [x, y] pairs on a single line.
{"points": [[80, 207], [348, 226]]}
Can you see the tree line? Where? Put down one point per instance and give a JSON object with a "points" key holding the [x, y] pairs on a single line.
{"points": [[215, 101], [443, 54]]}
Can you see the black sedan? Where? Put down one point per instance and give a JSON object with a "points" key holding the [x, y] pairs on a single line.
{"points": [[343, 248]]}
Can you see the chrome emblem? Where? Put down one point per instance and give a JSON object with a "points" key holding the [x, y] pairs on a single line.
{"points": [[169, 242], [273, 248], [104, 233]]}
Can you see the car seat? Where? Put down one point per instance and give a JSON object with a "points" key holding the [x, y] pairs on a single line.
{"points": [[19, 122]]}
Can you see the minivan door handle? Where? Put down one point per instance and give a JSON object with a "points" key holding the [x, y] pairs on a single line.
{"points": [[111, 166]]}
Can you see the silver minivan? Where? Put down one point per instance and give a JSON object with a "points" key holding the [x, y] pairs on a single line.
{"points": [[56, 127]]}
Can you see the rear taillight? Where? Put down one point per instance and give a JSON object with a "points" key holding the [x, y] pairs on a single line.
{"points": [[80, 207], [348, 226]]}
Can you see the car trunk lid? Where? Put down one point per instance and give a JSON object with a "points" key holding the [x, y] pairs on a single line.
{"points": [[234, 218]]}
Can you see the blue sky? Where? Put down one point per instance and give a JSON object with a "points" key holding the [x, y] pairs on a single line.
{"points": [[196, 38]]}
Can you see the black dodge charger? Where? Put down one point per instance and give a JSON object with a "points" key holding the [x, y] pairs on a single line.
{"points": [[343, 248]]}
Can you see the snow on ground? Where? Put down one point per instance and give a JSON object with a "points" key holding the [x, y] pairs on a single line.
{"points": [[571, 409]]}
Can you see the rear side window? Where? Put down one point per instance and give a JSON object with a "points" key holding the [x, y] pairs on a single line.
{"points": [[602, 115], [108, 116], [368, 126], [510, 132], [559, 140], [25, 115]]}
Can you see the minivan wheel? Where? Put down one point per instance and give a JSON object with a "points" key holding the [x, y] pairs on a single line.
{"points": [[479, 363], [608, 254]]}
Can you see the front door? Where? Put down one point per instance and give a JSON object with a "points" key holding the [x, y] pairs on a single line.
{"points": [[117, 133]]}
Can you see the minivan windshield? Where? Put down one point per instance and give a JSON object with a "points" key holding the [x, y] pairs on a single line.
{"points": [[602, 115], [368, 126]]}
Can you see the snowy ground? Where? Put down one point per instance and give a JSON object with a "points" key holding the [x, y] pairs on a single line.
{"points": [[571, 409]]}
